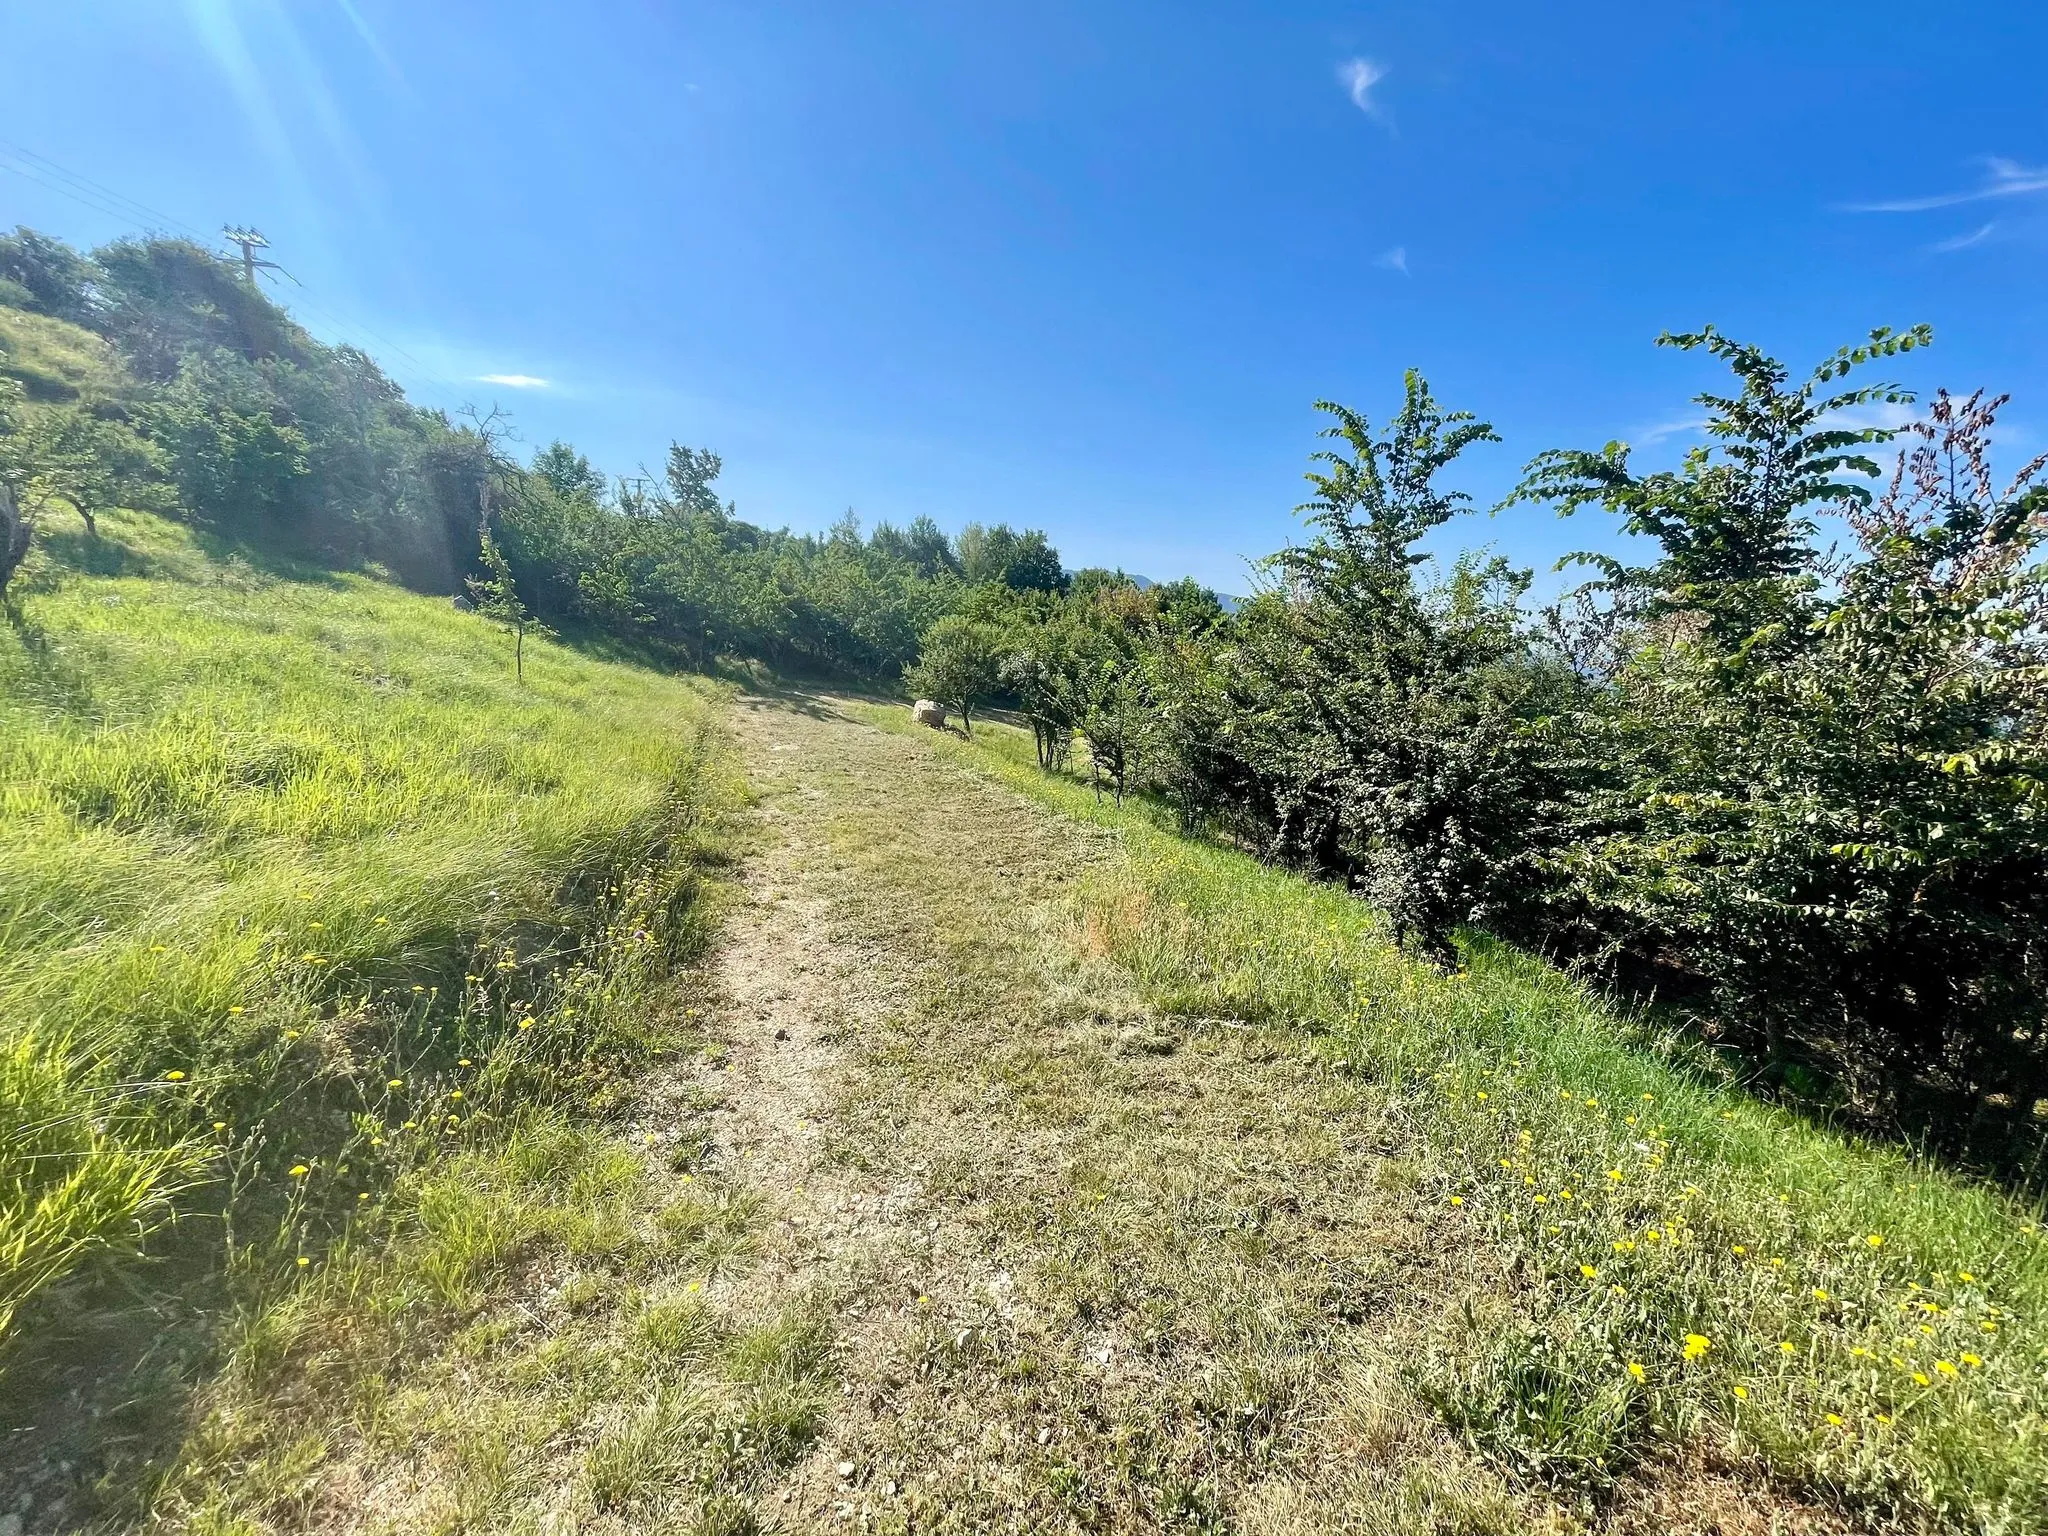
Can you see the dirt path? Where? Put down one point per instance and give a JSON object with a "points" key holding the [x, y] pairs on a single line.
{"points": [[1086, 1269]]}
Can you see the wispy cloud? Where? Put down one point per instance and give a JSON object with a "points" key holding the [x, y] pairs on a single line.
{"points": [[512, 380], [1657, 432], [1963, 242], [1358, 77], [1890, 415], [2004, 178], [1395, 260]]}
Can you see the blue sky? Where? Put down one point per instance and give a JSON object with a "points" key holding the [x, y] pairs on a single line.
{"points": [[1078, 266]]}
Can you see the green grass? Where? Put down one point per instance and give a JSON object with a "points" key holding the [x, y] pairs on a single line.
{"points": [[55, 361], [1691, 1272], [302, 895]]}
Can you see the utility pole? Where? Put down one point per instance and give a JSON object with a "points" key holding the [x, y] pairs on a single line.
{"points": [[251, 241]]}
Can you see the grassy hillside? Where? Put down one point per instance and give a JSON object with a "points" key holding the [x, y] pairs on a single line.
{"points": [[300, 892], [1674, 1267], [56, 362]]}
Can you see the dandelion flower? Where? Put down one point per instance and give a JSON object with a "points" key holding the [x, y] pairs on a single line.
{"points": [[1742, 1392], [1739, 1250], [362, 1196], [220, 1125], [1972, 1360], [1614, 1174], [304, 1261], [1946, 1367], [300, 1170], [1966, 1277], [1589, 1272], [1835, 1419], [1457, 1199], [1819, 1294], [1920, 1379], [1875, 1240], [174, 1077], [463, 1062], [1635, 1369], [526, 1023], [1696, 1345], [1623, 1245], [396, 1082], [235, 1008], [1786, 1347]]}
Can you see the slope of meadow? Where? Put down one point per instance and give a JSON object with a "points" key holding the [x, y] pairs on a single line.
{"points": [[302, 894], [1630, 1259]]}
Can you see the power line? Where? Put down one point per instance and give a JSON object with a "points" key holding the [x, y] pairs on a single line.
{"points": [[125, 206], [101, 198]]}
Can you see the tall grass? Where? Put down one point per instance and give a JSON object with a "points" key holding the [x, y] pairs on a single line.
{"points": [[1692, 1268], [289, 867]]}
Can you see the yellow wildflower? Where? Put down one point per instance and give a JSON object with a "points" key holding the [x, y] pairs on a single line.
{"points": [[1635, 1369], [1696, 1345], [300, 1170], [174, 1077]]}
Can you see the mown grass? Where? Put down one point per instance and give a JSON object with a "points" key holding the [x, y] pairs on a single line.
{"points": [[317, 934], [1691, 1271]]}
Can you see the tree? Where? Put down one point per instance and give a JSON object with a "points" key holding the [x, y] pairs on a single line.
{"points": [[956, 665], [1112, 719], [1737, 543], [496, 596], [1392, 718], [1042, 676], [51, 277], [91, 462], [568, 473]]}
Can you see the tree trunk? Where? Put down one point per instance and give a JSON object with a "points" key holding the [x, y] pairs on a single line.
{"points": [[16, 532], [519, 652]]}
